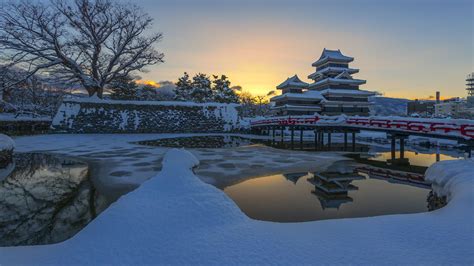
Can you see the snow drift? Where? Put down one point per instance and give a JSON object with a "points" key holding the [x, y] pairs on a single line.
{"points": [[6, 151]]}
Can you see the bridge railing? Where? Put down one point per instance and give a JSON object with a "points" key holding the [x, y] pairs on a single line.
{"points": [[462, 128]]}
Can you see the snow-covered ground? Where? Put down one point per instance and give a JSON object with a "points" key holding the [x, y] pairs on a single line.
{"points": [[174, 218], [6, 143], [14, 117]]}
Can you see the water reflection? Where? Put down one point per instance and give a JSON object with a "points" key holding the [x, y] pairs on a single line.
{"points": [[346, 189], [419, 159], [46, 199]]}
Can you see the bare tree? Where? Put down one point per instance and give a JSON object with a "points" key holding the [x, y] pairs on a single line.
{"points": [[90, 42]]}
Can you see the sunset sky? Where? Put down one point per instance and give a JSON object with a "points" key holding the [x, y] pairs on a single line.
{"points": [[405, 49]]}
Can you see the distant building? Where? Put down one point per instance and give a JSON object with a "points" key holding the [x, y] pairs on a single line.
{"points": [[334, 91], [470, 90], [422, 108], [452, 107]]}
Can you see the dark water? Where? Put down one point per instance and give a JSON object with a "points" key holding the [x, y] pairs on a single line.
{"points": [[200, 142], [46, 199], [339, 192]]}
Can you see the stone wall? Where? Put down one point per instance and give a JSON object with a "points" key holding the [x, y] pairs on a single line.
{"points": [[107, 116]]}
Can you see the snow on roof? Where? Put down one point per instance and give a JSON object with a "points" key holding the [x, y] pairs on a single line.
{"points": [[344, 75], [333, 69], [306, 95], [298, 107], [335, 80], [343, 91], [292, 82], [336, 55]]}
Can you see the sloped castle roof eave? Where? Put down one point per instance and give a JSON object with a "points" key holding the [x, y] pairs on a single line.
{"points": [[293, 82], [337, 81], [332, 55]]}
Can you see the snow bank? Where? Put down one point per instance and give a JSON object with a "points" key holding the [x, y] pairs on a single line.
{"points": [[174, 218], [454, 179], [6, 143], [14, 117]]}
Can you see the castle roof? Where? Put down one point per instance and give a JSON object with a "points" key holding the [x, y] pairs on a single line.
{"points": [[304, 96], [293, 82], [332, 55]]}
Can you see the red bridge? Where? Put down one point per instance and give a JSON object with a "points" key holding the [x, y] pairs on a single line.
{"points": [[461, 130], [458, 129]]}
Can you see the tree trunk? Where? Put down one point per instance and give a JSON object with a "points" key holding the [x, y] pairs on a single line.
{"points": [[91, 90]]}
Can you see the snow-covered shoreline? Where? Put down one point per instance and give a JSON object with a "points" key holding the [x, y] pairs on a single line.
{"points": [[174, 218], [6, 143]]}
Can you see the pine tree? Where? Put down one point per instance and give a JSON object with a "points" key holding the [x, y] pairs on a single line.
{"points": [[183, 88], [222, 93], [147, 93], [201, 88], [124, 89]]}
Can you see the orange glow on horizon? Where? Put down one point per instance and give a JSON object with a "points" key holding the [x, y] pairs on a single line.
{"points": [[149, 82]]}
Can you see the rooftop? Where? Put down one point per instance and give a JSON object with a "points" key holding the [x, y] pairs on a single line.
{"points": [[307, 95], [338, 81], [343, 91], [332, 55], [293, 82]]}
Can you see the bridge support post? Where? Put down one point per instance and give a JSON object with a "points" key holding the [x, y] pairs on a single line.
{"points": [[393, 148], [273, 135], [353, 141], [321, 137], [316, 136], [345, 140], [282, 136], [292, 129], [329, 140], [402, 148], [301, 138]]}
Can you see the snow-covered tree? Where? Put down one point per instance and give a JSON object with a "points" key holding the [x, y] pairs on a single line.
{"points": [[183, 88], [124, 89], [201, 88], [197, 90], [148, 93], [89, 42], [222, 91]]}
